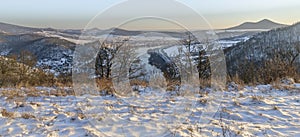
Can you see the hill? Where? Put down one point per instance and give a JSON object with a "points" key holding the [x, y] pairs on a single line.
{"points": [[263, 24], [52, 53], [277, 49]]}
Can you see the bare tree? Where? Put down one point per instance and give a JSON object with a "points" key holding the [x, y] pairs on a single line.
{"points": [[123, 59], [195, 55], [188, 41], [106, 54], [114, 64]]}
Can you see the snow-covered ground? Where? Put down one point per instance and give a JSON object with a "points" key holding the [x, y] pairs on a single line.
{"points": [[245, 111], [229, 43]]}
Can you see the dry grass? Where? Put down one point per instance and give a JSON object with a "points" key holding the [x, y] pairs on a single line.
{"points": [[61, 92], [81, 116], [13, 95], [257, 98], [35, 104], [105, 85], [27, 116], [138, 82], [158, 81], [21, 94], [203, 101], [241, 95], [204, 82], [284, 84], [7, 114], [237, 80]]}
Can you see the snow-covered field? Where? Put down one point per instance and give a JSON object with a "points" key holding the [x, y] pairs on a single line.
{"points": [[261, 110]]}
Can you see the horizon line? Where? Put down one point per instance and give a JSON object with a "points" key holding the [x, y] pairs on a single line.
{"points": [[146, 29]]}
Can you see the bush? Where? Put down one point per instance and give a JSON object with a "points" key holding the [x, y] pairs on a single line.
{"points": [[14, 74], [267, 70]]}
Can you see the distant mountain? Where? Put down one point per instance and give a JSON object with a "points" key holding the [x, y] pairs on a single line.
{"points": [[263, 24], [15, 29], [75, 33]]}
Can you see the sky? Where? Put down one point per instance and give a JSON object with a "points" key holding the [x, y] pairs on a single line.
{"points": [[146, 14]]}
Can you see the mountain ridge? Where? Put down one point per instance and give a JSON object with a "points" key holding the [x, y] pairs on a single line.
{"points": [[262, 24], [15, 28]]}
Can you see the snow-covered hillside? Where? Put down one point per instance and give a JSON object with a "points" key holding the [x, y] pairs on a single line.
{"points": [[264, 46], [259, 110]]}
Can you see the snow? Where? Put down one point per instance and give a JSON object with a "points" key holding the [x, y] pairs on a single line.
{"points": [[230, 42], [173, 50], [4, 52], [56, 35], [1, 31], [152, 37], [62, 65], [259, 110]]}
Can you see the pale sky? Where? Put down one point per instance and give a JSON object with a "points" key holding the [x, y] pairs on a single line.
{"points": [[194, 14]]}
